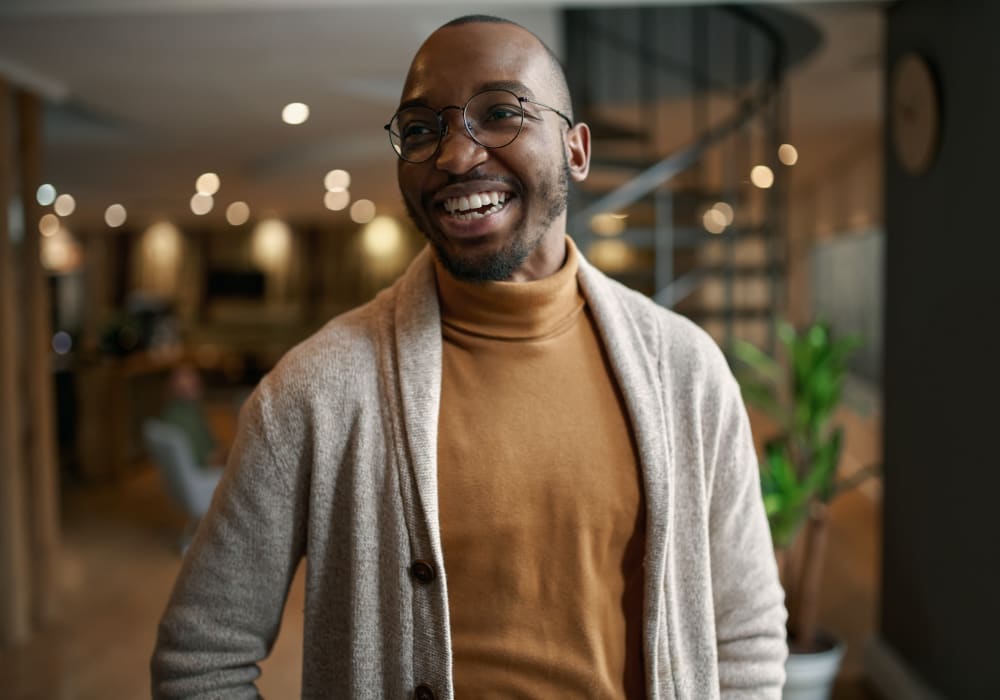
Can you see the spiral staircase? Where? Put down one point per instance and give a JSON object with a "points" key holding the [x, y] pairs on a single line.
{"points": [[683, 104]]}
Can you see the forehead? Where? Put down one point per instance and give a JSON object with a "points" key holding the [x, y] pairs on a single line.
{"points": [[455, 62]]}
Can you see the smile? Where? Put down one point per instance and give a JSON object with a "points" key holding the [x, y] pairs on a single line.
{"points": [[476, 206]]}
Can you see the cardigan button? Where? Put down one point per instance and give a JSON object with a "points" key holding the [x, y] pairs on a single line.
{"points": [[423, 692], [424, 572]]}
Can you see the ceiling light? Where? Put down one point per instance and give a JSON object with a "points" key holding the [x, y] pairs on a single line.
{"points": [[207, 183], [295, 113], [337, 180], [788, 154], [201, 204], [48, 224], [336, 201], [46, 195], [64, 205], [726, 211], [237, 213], [114, 216], [762, 176], [362, 211], [714, 221]]}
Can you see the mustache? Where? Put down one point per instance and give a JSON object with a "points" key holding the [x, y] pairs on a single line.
{"points": [[474, 176]]}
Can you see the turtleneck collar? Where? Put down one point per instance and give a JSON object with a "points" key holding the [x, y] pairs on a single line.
{"points": [[512, 310]]}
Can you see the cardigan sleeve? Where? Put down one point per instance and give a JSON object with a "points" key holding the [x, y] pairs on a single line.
{"points": [[226, 606], [747, 595]]}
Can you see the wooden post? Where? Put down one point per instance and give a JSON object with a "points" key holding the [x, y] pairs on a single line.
{"points": [[15, 572], [42, 470]]}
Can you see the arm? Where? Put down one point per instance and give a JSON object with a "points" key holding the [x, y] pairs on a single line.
{"points": [[749, 602], [224, 613]]}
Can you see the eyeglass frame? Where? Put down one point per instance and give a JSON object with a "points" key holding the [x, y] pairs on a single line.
{"points": [[443, 125]]}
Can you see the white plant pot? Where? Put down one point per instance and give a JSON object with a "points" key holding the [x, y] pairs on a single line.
{"points": [[811, 676]]}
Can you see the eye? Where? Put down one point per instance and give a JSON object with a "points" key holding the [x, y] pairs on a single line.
{"points": [[502, 112]]}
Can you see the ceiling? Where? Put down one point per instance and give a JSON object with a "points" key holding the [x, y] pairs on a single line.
{"points": [[144, 95]]}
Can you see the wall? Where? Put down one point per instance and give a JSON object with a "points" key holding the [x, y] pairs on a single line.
{"points": [[940, 605]]}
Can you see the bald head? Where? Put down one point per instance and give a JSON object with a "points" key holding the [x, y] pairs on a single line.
{"points": [[554, 74]]}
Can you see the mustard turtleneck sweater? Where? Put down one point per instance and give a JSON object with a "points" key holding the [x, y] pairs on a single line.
{"points": [[540, 499]]}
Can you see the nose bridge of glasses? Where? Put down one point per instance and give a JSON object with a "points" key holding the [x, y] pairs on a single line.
{"points": [[443, 120]]}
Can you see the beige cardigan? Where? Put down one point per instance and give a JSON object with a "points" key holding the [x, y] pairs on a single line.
{"points": [[335, 461]]}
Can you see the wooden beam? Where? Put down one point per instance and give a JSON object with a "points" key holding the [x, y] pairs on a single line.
{"points": [[15, 572], [42, 468]]}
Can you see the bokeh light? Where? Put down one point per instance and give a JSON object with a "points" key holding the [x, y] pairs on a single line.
{"points": [[201, 204], [362, 211], [48, 224], [337, 200], [115, 215], [607, 224], [788, 154], [46, 194], [295, 113], [64, 205], [337, 180], [382, 237], [762, 176], [207, 183], [237, 213]]}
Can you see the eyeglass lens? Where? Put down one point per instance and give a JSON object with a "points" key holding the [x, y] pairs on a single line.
{"points": [[492, 118]]}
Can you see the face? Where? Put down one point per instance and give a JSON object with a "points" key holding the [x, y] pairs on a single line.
{"points": [[514, 230]]}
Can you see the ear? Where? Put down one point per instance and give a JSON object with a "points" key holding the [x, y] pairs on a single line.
{"points": [[578, 151]]}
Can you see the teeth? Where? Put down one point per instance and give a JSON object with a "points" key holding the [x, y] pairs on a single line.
{"points": [[464, 207]]}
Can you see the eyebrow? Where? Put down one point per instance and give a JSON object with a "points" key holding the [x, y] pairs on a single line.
{"points": [[515, 86]]}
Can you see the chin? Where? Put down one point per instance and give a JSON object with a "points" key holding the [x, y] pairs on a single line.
{"points": [[492, 266]]}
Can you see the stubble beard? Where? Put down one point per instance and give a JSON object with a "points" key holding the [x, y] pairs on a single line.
{"points": [[551, 197]]}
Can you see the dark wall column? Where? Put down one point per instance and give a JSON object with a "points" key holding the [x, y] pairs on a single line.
{"points": [[940, 607], [15, 573]]}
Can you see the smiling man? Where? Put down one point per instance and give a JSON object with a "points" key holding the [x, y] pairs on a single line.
{"points": [[510, 476]]}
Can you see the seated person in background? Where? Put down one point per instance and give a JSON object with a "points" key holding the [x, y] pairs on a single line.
{"points": [[185, 409]]}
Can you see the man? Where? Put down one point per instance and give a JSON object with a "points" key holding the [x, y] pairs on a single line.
{"points": [[511, 476]]}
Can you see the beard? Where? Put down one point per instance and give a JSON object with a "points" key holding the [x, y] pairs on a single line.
{"points": [[550, 197]]}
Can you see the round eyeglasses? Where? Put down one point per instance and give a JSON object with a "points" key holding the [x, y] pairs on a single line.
{"points": [[493, 119]]}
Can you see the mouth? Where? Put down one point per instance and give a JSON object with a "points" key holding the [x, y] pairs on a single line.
{"points": [[475, 206]]}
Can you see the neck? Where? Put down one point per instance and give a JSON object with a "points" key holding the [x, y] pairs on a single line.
{"points": [[546, 259]]}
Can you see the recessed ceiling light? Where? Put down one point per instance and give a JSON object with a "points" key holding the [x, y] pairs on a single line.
{"points": [[46, 195], [64, 205], [362, 211], [788, 154], [115, 215], [295, 113], [201, 204], [337, 180], [237, 213], [762, 176], [207, 183], [48, 225], [336, 201]]}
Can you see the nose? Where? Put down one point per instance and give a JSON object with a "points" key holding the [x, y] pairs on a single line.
{"points": [[458, 153]]}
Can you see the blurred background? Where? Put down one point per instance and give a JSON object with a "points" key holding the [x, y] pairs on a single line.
{"points": [[195, 187]]}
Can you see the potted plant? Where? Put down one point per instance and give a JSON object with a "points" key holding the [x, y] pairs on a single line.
{"points": [[799, 480]]}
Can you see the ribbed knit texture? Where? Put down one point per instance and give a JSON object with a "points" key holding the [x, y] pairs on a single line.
{"points": [[541, 508]]}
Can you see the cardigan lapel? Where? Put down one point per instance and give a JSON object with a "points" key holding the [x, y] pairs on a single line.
{"points": [[635, 367], [418, 366]]}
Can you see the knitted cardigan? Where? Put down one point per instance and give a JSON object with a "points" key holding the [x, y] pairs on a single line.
{"points": [[335, 461]]}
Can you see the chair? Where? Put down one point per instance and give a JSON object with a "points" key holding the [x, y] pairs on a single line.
{"points": [[188, 484]]}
